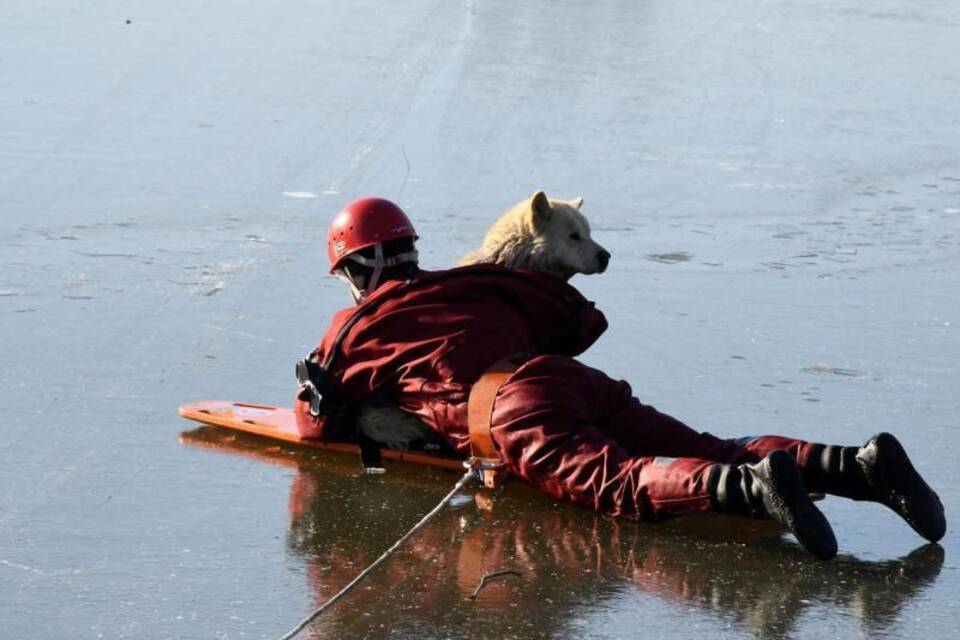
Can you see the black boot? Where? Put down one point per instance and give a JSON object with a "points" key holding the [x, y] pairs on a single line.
{"points": [[879, 471], [773, 488]]}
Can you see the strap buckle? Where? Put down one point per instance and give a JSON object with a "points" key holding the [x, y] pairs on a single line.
{"points": [[489, 472], [314, 385]]}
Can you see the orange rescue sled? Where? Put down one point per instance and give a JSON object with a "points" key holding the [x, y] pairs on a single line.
{"points": [[280, 423]]}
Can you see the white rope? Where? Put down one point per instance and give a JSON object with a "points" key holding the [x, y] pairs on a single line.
{"points": [[470, 474]]}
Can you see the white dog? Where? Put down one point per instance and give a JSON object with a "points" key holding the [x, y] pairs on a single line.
{"points": [[540, 234]]}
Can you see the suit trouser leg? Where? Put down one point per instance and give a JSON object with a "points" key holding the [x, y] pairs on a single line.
{"points": [[551, 424], [643, 430]]}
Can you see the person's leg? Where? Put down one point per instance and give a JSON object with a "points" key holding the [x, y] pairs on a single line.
{"points": [[546, 430], [545, 425], [879, 471], [641, 429]]}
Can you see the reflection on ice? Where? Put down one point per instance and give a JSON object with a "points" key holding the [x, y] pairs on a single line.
{"points": [[571, 562]]}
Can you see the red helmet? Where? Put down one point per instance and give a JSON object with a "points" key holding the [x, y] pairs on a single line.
{"points": [[364, 223]]}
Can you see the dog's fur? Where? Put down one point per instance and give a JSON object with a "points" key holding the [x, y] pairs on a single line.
{"points": [[541, 234]]}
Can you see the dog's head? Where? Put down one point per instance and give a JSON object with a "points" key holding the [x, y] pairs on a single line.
{"points": [[540, 234], [562, 244]]}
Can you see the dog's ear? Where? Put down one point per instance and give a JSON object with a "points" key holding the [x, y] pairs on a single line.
{"points": [[576, 203], [540, 207]]}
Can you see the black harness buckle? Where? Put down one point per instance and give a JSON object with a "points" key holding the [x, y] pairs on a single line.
{"points": [[315, 386]]}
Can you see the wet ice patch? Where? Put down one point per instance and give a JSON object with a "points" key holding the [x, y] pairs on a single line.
{"points": [[669, 258], [823, 369], [300, 195], [225, 268], [210, 279], [100, 254], [215, 289], [768, 186], [23, 567]]}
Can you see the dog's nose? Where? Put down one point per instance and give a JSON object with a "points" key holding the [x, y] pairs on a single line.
{"points": [[603, 257]]}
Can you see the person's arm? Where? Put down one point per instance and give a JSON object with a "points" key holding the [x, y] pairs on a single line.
{"points": [[586, 324], [567, 322], [334, 426], [324, 420]]}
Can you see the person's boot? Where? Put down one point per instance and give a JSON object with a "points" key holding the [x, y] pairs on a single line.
{"points": [[773, 488], [879, 471]]}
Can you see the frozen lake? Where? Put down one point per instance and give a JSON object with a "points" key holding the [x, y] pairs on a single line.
{"points": [[778, 183]]}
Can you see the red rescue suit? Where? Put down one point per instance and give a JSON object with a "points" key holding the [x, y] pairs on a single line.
{"points": [[562, 426]]}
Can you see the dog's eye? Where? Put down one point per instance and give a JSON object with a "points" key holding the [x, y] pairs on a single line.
{"points": [[576, 237]]}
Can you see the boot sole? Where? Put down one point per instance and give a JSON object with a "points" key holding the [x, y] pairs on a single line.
{"points": [[903, 490], [795, 509]]}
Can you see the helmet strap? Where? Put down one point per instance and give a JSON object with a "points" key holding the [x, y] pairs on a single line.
{"points": [[392, 261], [361, 287], [378, 265], [356, 292]]}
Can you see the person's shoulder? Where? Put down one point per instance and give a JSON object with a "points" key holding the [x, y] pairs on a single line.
{"points": [[342, 315], [485, 270], [495, 275], [336, 322], [426, 278], [465, 270], [553, 283]]}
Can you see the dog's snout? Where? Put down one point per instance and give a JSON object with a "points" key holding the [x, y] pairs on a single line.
{"points": [[603, 258]]}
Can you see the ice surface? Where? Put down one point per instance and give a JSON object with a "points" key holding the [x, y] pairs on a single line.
{"points": [[778, 182]]}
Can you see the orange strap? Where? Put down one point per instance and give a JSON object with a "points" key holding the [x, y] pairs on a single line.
{"points": [[480, 406]]}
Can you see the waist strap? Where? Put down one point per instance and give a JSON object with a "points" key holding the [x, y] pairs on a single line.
{"points": [[480, 410]]}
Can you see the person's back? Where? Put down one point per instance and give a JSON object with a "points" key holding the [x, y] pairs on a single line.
{"points": [[426, 340]]}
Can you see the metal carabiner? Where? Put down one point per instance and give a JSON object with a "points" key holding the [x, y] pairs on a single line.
{"points": [[488, 472]]}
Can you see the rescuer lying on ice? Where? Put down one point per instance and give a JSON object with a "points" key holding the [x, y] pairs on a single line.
{"points": [[423, 339]]}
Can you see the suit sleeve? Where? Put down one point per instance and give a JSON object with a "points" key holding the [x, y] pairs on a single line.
{"points": [[588, 324], [335, 426], [566, 322], [581, 327], [331, 427]]}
